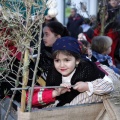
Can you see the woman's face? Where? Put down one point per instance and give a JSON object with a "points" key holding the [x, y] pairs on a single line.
{"points": [[65, 64], [113, 3], [49, 37]]}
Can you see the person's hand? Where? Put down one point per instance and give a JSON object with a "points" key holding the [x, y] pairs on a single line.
{"points": [[81, 86], [61, 90]]}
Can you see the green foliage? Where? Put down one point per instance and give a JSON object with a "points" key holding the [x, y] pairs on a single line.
{"points": [[67, 11]]}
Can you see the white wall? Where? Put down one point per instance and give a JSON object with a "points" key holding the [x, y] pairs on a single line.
{"points": [[60, 8], [91, 8], [90, 4]]}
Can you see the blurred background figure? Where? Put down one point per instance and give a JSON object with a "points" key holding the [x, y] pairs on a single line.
{"points": [[81, 36], [86, 50], [101, 47], [111, 28], [74, 21], [93, 21], [86, 29]]}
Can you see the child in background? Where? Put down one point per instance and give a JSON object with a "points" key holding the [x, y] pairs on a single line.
{"points": [[86, 50], [101, 47], [81, 36], [76, 81]]}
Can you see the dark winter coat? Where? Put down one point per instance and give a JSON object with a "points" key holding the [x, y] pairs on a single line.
{"points": [[73, 25]]}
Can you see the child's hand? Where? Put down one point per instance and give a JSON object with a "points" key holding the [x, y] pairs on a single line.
{"points": [[81, 86], [63, 89]]}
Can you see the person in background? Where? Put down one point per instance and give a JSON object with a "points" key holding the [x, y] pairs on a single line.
{"points": [[75, 79], [74, 21], [51, 32], [101, 47], [111, 25], [114, 10], [93, 21], [47, 19], [86, 52], [81, 36], [86, 29]]}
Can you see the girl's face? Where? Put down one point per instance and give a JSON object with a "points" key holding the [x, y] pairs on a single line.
{"points": [[49, 37], [65, 64]]}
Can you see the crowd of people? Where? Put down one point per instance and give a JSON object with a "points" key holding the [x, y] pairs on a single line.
{"points": [[78, 63]]}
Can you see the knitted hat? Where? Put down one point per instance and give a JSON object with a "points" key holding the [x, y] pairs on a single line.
{"points": [[66, 43]]}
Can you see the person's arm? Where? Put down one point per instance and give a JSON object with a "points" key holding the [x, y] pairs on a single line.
{"points": [[107, 84], [46, 96], [99, 86], [41, 97]]}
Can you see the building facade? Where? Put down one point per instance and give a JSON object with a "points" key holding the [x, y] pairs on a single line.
{"points": [[64, 5]]}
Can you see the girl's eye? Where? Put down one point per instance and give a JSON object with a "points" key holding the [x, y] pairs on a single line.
{"points": [[56, 60], [46, 34], [67, 60]]}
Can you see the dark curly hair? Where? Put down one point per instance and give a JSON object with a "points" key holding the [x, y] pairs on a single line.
{"points": [[57, 28]]}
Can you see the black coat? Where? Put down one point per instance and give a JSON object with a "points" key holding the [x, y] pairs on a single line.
{"points": [[73, 25]]}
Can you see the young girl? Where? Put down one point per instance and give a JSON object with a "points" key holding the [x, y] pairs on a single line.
{"points": [[101, 46], [77, 81], [52, 31]]}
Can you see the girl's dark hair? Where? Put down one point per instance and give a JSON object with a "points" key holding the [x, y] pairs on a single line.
{"points": [[57, 28], [66, 52]]}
